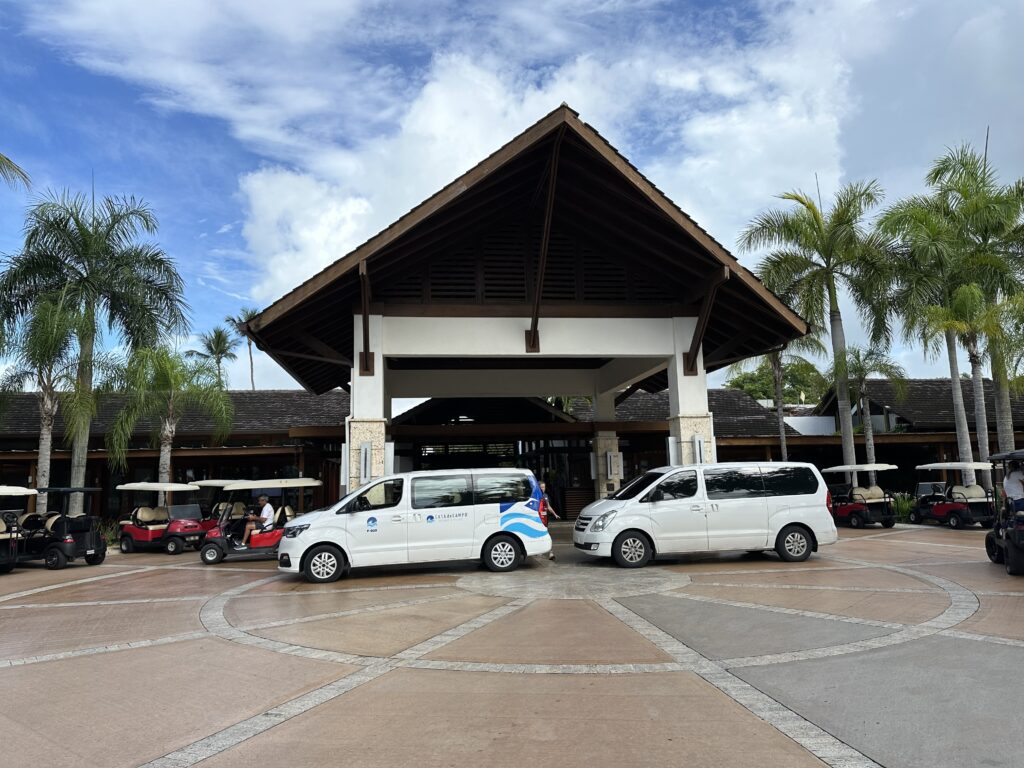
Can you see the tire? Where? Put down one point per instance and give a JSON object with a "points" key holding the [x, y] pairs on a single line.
{"points": [[955, 521], [197, 546], [631, 549], [856, 521], [324, 564], [6, 567], [97, 558], [1013, 559], [211, 554], [888, 522], [174, 546], [54, 559], [985, 524], [794, 544], [501, 554], [127, 545], [914, 517], [993, 550]]}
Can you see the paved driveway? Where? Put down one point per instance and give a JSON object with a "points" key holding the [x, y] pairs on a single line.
{"points": [[898, 647]]}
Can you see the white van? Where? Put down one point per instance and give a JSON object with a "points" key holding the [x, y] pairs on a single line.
{"points": [[710, 508], [496, 515]]}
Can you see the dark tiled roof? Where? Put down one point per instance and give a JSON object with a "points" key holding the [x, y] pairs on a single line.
{"points": [[928, 403], [262, 410]]}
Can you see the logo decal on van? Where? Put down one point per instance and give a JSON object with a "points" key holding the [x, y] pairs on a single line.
{"points": [[430, 518], [371, 524]]}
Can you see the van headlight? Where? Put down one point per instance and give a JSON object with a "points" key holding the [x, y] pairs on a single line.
{"points": [[294, 530], [602, 522]]}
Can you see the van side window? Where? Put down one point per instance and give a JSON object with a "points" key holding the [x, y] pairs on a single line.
{"points": [[788, 481], [679, 486], [433, 492], [502, 489], [733, 483], [381, 496]]}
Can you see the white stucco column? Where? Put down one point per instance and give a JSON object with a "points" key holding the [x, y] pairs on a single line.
{"points": [[368, 418], [605, 442], [688, 398]]}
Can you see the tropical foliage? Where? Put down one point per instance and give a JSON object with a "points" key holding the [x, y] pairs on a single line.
{"points": [[217, 346], [237, 321], [11, 173]]}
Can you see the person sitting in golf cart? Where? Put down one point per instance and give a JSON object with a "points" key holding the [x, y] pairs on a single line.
{"points": [[264, 521], [1013, 487]]}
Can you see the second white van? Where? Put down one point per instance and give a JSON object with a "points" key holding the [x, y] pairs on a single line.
{"points": [[496, 515], [781, 506]]}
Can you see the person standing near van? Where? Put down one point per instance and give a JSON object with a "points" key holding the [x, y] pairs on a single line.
{"points": [[550, 509]]}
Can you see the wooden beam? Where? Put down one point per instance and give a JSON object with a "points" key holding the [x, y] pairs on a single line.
{"points": [[625, 394], [714, 281], [533, 335], [366, 355], [323, 348], [333, 360]]}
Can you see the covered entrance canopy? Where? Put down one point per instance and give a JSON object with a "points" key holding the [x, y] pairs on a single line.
{"points": [[552, 267]]}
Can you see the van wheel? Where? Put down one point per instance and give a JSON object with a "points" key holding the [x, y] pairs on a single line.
{"points": [[174, 546], [794, 544], [127, 544], [501, 554], [324, 564], [54, 559], [992, 549], [211, 554], [631, 550], [856, 521], [955, 522]]}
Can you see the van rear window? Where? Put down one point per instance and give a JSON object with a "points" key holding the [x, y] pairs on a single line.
{"points": [[433, 492], [502, 489], [788, 481], [733, 483]]}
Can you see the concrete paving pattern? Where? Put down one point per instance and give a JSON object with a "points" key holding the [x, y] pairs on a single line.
{"points": [[892, 648]]}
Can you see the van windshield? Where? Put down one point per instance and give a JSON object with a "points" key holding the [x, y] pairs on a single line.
{"points": [[633, 488]]}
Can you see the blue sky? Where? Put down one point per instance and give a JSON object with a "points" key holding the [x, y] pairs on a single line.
{"points": [[271, 138]]}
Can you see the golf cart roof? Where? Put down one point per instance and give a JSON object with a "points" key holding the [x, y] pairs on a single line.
{"points": [[1007, 456], [157, 487], [282, 482], [17, 490], [956, 465], [214, 483], [860, 468], [64, 489]]}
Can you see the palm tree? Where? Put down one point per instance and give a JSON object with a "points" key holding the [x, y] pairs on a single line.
{"points": [[90, 252], [244, 315], [11, 173], [218, 345], [816, 254], [863, 363], [162, 386]]}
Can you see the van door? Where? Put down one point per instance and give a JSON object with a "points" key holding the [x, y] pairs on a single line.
{"points": [[441, 518], [677, 512], [736, 510], [505, 502], [377, 524]]}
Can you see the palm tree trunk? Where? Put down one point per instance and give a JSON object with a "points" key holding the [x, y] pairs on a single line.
{"points": [[1004, 411], [80, 436], [167, 430], [980, 410], [252, 373], [869, 434], [963, 435], [842, 379], [776, 362], [47, 411]]}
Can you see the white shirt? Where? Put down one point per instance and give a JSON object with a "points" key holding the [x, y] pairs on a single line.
{"points": [[267, 515], [1013, 485]]}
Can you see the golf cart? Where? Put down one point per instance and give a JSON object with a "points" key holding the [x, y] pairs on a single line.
{"points": [[170, 528], [858, 506], [9, 515], [211, 498], [58, 538], [1005, 543], [238, 508], [955, 505]]}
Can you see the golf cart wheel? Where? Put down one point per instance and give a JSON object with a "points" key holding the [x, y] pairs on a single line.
{"points": [[174, 546], [631, 549], [54, 559], [501, 554], [985, 523], [127, 545], [197, 546], [1013, 559], [993, 550], [324, 564], [6, 567], [889, 522], [856, 521], [211, 554], [794, 544], [955, 522], [914, 517], [96, 558]]}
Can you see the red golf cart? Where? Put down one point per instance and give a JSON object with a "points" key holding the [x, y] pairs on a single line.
{"points": [[12, 508], [171, 527], [955, 505], [238, 507], [857, 506]]}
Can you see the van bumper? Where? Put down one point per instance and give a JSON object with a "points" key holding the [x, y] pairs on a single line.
{"points": [[539, 546], [289, 555], [592, 544]]}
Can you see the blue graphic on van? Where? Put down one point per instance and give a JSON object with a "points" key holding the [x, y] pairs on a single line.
{"points": [[430, 518], [523, 517], [371, 524]]}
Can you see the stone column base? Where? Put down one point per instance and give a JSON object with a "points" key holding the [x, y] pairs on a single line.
{"points": [[357, 432], [605, 443], [682, 428]]}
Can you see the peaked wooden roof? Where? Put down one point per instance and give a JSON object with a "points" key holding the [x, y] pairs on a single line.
{"points": [[601, 199]]}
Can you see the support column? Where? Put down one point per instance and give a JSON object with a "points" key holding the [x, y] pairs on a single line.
{"points": [[688, 398], [605, 442], [367, 422]]}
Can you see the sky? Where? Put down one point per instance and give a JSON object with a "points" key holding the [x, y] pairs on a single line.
{"points": [[271, 138]]}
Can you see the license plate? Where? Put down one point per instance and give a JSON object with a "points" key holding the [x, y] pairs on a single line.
{"points": [[191, 538], [90, 551]]}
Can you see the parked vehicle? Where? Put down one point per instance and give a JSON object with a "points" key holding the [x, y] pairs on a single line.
{"points": [[12, 507], [1004, 544], [710, 508], [236, 508], [212, 497], [170, 527], [955, 505], [58, 538], [857, 506], [496, 515]]}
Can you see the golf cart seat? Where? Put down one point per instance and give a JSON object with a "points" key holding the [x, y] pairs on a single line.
{"points": [[874, 495], [220, 508], [283, 515], [4, 533], [966, 493], [152, 519], [237, 510]]}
